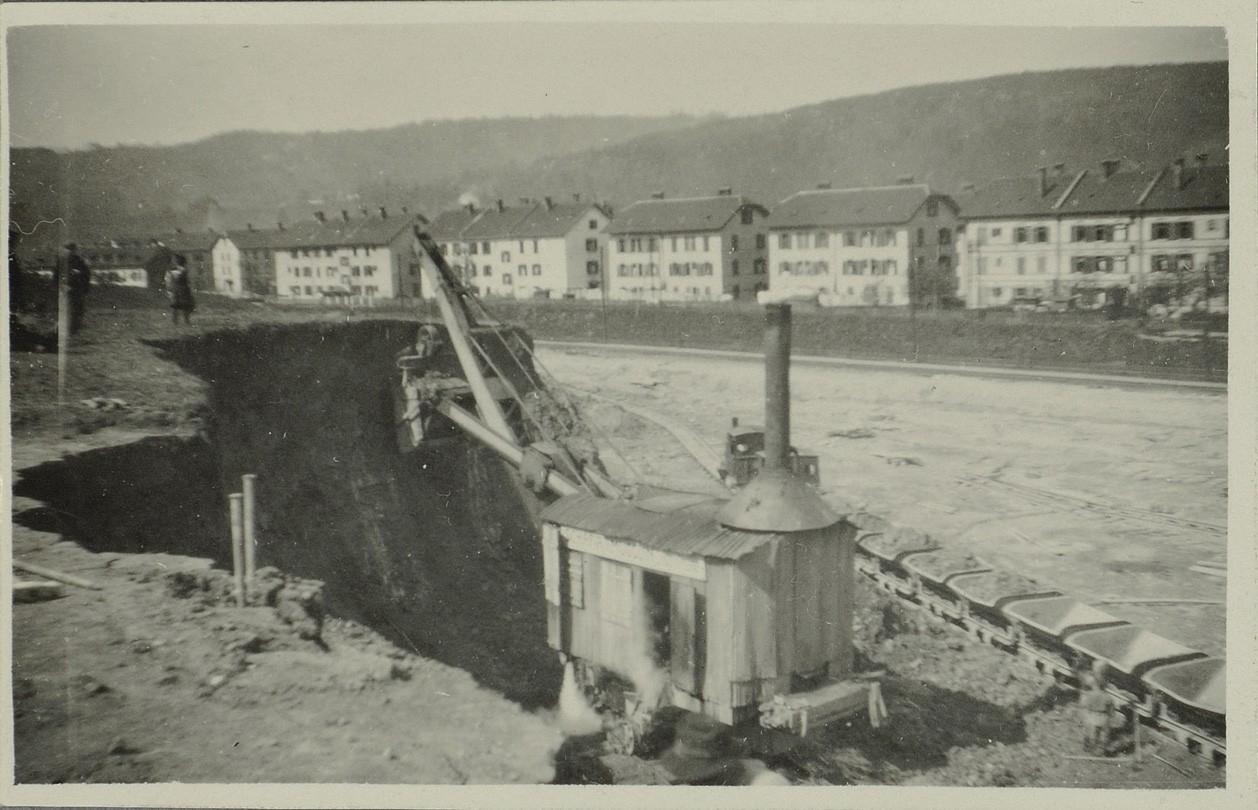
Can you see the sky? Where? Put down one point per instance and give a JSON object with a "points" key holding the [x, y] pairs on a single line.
{"points": [[74, 85]]}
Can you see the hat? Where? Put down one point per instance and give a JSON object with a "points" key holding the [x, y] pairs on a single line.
{"points": [[705, 751]]}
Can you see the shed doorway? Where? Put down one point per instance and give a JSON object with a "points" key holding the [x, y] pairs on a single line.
{"points": [[656, 592]]}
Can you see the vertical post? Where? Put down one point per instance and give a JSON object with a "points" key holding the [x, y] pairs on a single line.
{"points": [[777, 384], [238, 541], [250, 536], [63, 328]]}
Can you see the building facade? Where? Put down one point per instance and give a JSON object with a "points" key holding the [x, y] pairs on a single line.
{"points": [[865, 246], [244, 262], [119, 261], [1080, 236], [539, 249], [688, 249], [361, 259]]}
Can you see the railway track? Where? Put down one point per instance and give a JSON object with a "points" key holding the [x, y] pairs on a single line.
{"points": [[1149, 712]]}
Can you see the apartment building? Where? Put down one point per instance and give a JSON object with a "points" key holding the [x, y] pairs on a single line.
{"points": [[1060, 235], [244, 261], [865, 246], [362, 258], [118, 261], [688, 249], [538, 249]]}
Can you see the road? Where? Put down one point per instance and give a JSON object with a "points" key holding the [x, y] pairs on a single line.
{"points": [[1126, 380], [1110, 493]]}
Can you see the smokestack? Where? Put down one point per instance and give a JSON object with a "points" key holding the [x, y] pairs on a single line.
{"points": [[1110, 167], [550, 204], [1043, 170], [384, 212], [1179, 173], [319, 216], [777, 384]]}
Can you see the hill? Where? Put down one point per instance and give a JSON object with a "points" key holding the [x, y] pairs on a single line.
{"points": [[943, 134]]}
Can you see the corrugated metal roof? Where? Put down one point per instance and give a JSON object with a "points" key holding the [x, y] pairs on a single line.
{"points": [[683, 215], [883, 205], [681, 523]]}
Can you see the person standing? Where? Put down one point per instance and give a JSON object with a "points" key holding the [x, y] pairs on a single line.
{"points": [[180, 288], [78, 280]]}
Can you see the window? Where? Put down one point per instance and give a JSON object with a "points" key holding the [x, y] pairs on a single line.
{"points": [[761, 241], [689, 243], [489, 270], [733, 267], [591, 245], [308, 291], [472, 248], [1019, 234], [521, 245], [821, 240], [594, 224], [784, 241], [1161, 263], [757, 266], [705, 243], [1183, 230], [651, 245], [620, 245], [484, 248], [932, 208], [784, 268], [1041, 234], [534, 246], [369, 270], [921, 237], [997, 292], [996, 232], [537, 269], [506, 279], [674, 243], [506, 256], [294, 290], [522, 270], [355, 271], [591, 268], [305, 272], [620, 270], [1161, 230], [945, 236], [733, 241], [1183, 263], [1020, 292], [749, 216]]}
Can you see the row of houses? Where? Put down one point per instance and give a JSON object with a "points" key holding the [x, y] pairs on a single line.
{"points": [[1055, 234]]}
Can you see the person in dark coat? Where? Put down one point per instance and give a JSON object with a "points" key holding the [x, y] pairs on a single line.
{"points": [[180, 288], [78, 280]]}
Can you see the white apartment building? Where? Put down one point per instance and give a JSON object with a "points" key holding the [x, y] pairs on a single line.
{"points": [[688, 249], [864, 246], [1060, 236]]}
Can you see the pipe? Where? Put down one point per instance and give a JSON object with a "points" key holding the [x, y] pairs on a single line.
{"points": [[238, 546], [478, 430], [250, 538], [777, 384]]}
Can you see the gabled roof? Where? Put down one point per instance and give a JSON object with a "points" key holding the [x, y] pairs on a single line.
{"points": [[449, 225], [555, 220], [880, 205], [495, 224], [338, 232], [683, 215], [1090, 192], [189, 242], [680, 523]]}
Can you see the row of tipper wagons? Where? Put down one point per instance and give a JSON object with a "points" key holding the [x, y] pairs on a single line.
{"points": [[1016, 612]]}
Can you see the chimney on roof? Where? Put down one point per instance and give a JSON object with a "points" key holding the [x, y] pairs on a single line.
{"points": [[279, 225], [471, 208], [1179, 173], [1043, 170], [249, 226], [576, 197], [658, 195], [550, 204], [727, 191], [823, 186], [384, 212], [406, 210], [905, 180], [363, 210], [319, 216], [499, 204], [1110, 167], [345, 214]]}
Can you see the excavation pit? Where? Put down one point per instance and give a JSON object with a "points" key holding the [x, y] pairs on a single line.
{"points": [[437, 551]]}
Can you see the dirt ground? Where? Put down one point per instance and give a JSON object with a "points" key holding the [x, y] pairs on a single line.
{"points": [[160, 677]]}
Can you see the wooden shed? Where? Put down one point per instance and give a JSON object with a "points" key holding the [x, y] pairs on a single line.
{"points": [[659, 587]]}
